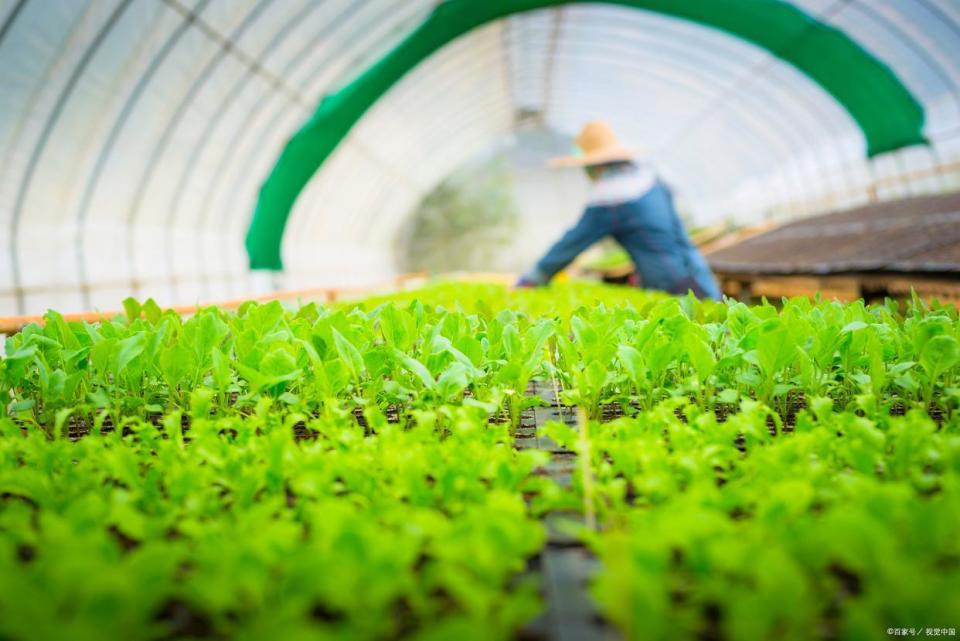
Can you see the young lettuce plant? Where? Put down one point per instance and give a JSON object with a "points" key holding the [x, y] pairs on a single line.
{"points": [[649, 349], [699, 353], [523, 355], [587, 360], [447, 385], [774, 349]]}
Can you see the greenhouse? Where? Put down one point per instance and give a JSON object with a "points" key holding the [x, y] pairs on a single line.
{"points": [[525, 320]]}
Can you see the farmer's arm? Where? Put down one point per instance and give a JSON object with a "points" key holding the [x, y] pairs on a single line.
{"points": [[578, 238]]}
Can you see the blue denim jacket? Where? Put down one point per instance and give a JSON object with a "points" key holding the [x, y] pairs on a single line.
{"points": [[650, 231]]}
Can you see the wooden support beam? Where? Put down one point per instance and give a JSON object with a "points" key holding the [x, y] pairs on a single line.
{"points": [[845, 287], [834, 287]]}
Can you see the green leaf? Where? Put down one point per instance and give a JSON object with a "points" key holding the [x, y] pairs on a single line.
{"points": [[594, 377], [632, 362], [128, 349], [201, 402], [16, 362], [221, 369], [512, 345], [348, 353], [535, 340], [288, 398], [452, 381], [210, 332], [700, 355], [728, 396], [22, 406], [471, 348], [939, 354], [852, 327], [417, 368], [152, 311], [102, 355], [442, 345], [279, 364], [584, 333], [775, 348], [392, 327], [661, 353], [176, 364], [65, 334], [132, 309], [562, 433]]}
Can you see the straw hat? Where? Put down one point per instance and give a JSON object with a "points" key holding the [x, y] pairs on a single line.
{"points": [[598, 145]]}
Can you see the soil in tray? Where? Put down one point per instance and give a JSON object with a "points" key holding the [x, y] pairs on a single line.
{"points": [[795, 402], [561, 463], [80, 426], [182, 621], [526, 432]]}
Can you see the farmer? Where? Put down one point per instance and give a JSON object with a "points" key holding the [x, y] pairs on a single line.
{"points": [[627, 201]]}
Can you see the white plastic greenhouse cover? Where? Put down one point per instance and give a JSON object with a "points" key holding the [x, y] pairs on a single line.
{"points": [[135, 134]]}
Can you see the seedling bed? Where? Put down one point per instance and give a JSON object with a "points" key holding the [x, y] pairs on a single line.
{"points": [[743, 478]]}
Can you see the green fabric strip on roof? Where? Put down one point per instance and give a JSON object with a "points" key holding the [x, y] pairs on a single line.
{"points": [[882, 107]]}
